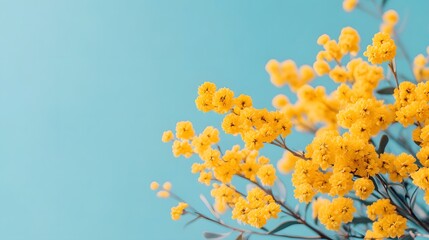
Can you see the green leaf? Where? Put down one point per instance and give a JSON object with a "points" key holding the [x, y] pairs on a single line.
{"points": [[191, 221], [283, 226], [383, 143], [209, 206], [215, 236], [281, 188], [361, 220], [366, 203], [383, 3], [386, 91], [413, 198]]}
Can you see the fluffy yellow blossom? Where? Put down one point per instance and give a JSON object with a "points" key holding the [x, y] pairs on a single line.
{"points": [[349, 41], [404, 165], [223, 100], [391, 225], [341, 183], [256, 209], [371, 235], [304, 192], [184, 130], [163, 194], [340, 210], [182, 148], [391, 16], [421, 72], [383, 49], [288, 73], [349, 5], [243, 101], [363, 188], [178, 211], [280, 101], [321, 67], [339, 74], [167, 186], [267, 174], [287, 163], [207, 88], [317, 205], [423, 156], [154, 186], [205, 178], [380, 208], [421, 178], [167, 136]]}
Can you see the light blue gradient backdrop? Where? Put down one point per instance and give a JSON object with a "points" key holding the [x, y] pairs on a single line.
{"points": [[88, 86]]}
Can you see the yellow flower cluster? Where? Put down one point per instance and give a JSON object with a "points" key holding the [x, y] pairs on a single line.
{"points": [[366, 117], [411, 103], [364, 77], [256, 209], [390, 19], [383, 49], [388, 224], [341, 160], [349, 5], [333, 214], [420, 70], [165, 193], [288, 73], [421, 180], [178, 211], [225, 196], [348, 43]]}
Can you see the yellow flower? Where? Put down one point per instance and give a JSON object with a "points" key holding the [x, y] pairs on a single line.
{"points": [[178, 211], [154, 186], [267, 174], [380, 208], [206, 88], [339, 74], [167, 136], [423, 156], [349, 41], [421, 178], [163, 194], [383, 49], [287, 163], [167, 186], [184, 130], [341, 183], [182, 148], [363, 187], [223, 100], [205, 178], [391, 16], [280, 101], [317, 205], [321, 67], [304, 192], [391, 225], [349, 5]]}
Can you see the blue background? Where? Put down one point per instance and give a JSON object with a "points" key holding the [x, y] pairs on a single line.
{"points": [[88, 86]]}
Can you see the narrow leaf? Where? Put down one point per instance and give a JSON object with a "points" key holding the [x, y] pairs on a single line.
{"points": [[192, 221], [281, 190], [283, 226], [386, 91], [215, 236], [383, 143], [383, 3], [361, 220], [209, 206], [413, 198]]}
